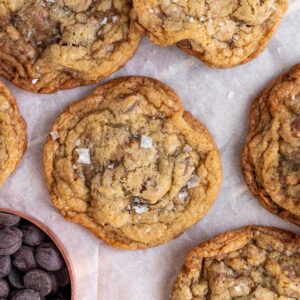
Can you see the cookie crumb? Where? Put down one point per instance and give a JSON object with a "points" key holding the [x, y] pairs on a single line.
{"points": [[146, 142], [193, 182], [84, 156], [54, 134]]}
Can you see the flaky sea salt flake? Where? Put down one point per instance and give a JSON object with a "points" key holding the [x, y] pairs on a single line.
{"points": [[182, 195], [77, 142], [187, 148], [140, 209], [193, 182], [34, 81], [84, 156], [54, 135], [146, 142]]}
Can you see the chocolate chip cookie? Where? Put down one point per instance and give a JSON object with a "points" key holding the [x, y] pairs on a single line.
{"points": [[249, 263], [131, 165], [12, 134], [221, 33], [271, 155], [50, 45]]}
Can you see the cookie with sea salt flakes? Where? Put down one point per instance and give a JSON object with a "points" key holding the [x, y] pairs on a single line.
{"points": [[253, 262], [12, 134], [221, 33], [50, 45], [131, 165], [271, 154]]}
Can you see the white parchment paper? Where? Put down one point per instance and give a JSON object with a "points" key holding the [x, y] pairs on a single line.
{"points": [[220, 99]]}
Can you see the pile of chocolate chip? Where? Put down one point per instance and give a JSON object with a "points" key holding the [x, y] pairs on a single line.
{"points": [[31, 266]]}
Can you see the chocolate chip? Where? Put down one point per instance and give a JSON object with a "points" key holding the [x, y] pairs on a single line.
{"points": [[8, 219], [54, 283], [39, 281], [26, 295], [15, 278], [4, 288], [32, 235], [24, 259], [62, 276], [48, 257], [5, 266], [10, 240]]}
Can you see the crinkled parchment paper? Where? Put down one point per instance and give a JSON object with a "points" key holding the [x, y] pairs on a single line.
{"points": [[220, 99]]}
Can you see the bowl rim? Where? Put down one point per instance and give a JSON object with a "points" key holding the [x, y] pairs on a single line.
{"points": [[53, 236]]}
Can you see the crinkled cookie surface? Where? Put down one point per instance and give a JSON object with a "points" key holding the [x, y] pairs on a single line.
{"points": [[222, 33], [271, 155], [12, 134], [48, 45], [130, 165], [254, 262]]}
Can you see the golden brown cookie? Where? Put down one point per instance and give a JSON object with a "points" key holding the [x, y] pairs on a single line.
{"points": [[50, 45], [221, 33], [131, 165], [271, 155], [253, 262], [12, 134]]}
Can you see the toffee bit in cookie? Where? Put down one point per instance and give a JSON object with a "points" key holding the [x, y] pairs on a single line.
{"points": [[193, 182], [84, 156], [55, 135], [182, 195], [146, 142], [140, 208], [187, 148]]}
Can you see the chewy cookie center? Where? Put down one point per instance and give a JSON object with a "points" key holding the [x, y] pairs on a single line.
{"points": [[137, 166]]}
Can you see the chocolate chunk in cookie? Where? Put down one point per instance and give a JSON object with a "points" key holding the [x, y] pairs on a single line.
{"points": [[12, 140], [131, 165], [221, 33], [271, 155], [47, 46], [250, 263]]}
